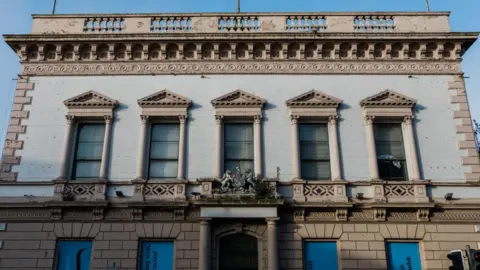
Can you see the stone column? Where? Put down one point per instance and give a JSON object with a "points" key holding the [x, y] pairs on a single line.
{"points": [[295, 148], [204, 256], [408, 120], [106, 147], [141, 147], [66, 148], [217, 170], [372, 152], [257, 144], [333, 146], [272, 243], [181, 148]]}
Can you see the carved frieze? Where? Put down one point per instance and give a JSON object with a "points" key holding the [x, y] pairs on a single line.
{"points": [[235, 67]]}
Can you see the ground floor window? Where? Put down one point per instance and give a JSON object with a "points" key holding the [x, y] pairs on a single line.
{"points": [[73, 254], [156, 255], [321, 255], [403, 256]]}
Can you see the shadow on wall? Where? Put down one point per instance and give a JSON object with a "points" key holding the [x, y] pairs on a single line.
{"points": [[417, 111]]}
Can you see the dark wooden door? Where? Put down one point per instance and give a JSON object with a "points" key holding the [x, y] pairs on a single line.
{"points": [[238, 252]]}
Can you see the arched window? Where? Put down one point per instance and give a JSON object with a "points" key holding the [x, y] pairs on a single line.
{"points": [[258, 51], [275, 50], [172, 51], [189, 51], [154, 51], [137, 52]]}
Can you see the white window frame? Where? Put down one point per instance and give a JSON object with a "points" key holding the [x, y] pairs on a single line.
{"points": [[390, 106]]}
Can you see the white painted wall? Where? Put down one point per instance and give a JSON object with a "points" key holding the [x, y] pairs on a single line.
{"points": [[435, 127]]}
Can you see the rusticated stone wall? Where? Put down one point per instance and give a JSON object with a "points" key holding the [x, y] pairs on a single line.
{"points": [[360, 245], [32, 245]]}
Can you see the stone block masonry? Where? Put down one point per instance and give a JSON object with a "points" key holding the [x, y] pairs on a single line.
{"points": [[33, 245], [359, 245]]}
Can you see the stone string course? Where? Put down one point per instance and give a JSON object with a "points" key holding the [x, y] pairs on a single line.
{"points": [[18, 113], [361, 246]]}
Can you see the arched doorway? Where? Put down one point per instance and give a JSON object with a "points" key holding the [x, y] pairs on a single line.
{"points": [[238, 252]]}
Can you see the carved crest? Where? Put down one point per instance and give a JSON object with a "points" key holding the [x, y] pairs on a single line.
{"points": [[314, 98], [164, 98], [238, 98], [91, 99], [388, 98]]}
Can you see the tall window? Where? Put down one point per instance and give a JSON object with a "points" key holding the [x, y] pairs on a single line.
{"points": [[88, 152], [164, 151], [390, 151], [238, 144], [314, 152]]}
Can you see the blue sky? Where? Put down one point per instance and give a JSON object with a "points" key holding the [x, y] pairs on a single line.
{"points": [[15, 19]]}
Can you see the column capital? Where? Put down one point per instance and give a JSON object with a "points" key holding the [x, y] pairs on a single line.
{"points": [[257, 119], [218, 119], [294, 119], [408, 119], [183, 119], [108, 118], [70, 119], [369, 119], [144, 118], [272, 221], [332, 120], [205, 221]]}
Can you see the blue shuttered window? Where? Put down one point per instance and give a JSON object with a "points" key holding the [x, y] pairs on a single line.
{"points": [[321, 256], [156, 255], [74, 255], [403, 256]]}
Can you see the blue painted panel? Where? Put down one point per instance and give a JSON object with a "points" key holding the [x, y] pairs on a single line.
{"points": [[321, 256], [74, 255], [403, 256], [157, 256]]}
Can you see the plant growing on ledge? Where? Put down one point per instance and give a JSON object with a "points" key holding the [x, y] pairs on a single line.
{"points": [[476, 132]]}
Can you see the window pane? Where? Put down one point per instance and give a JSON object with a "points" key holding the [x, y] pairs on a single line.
{"points": [[238, 150], [91, 133], [243, 165], [89, 150], [392, 169], [388, 132], [318, 132], [163, 169], [165, 132], [315, 170], [314, 150], [87, 169], [164, 150], [390, 150], [239, 133]]}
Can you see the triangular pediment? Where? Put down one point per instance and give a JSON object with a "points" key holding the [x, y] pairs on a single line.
{"points": [[238, 98], [91, 99], [314, 98], [388, 98], [164, 98]]}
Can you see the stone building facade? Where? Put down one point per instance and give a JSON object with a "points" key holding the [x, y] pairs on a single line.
{"points": [[257, 141]]}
